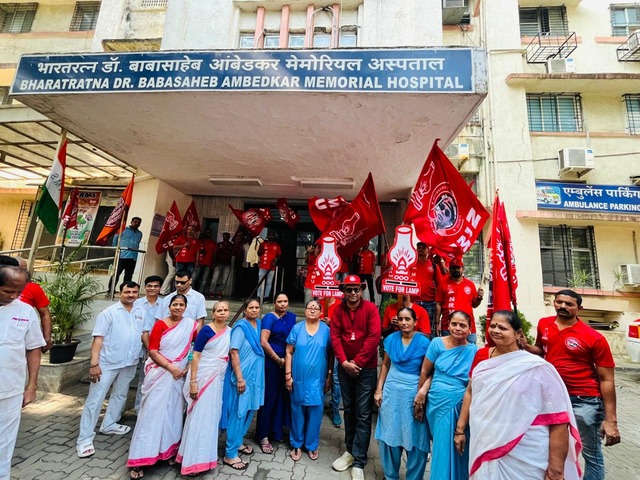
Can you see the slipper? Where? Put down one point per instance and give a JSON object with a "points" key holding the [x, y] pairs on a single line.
{"points": [[313, 454], [85, 450], [236, 465], [295, 454], [266, 448], [246, 449], [117, 429], [172, 461], [135, 473]]}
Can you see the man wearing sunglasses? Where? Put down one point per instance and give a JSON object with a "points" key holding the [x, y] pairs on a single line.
{"points": [[355, 334], [196, 308]]}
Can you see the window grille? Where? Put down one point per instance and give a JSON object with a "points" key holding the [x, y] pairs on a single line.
{"points": [[474, 261], [85, 16], [543, 20], [17, 17], [4, 96], [632, 103], [154, 3], [554, 112], [624, 20]]}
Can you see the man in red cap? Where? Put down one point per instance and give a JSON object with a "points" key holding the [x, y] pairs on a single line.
{"points": [[355, 335], [456, 293]]}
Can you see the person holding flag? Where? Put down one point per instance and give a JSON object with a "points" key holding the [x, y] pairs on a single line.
{"points": [[129, 242]]}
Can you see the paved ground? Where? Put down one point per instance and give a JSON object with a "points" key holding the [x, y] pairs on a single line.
{"points": [[46, 446]]}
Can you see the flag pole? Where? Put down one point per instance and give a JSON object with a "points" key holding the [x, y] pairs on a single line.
{"points": [[37, 235], [123, 220]]}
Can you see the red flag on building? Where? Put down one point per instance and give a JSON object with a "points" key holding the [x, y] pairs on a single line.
{"points": [[323, 210], [445, 212], [171, 229], [287, 214], [358, 222], [70, 216], [254, 219], [191, 218], [118, 218]]}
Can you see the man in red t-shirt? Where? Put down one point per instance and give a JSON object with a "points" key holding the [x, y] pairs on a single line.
{"points": [[269, 252], [186, 249], [205, 261], [429, 271], [390, 319], [456, 293], [366, 268], [583, 359]]}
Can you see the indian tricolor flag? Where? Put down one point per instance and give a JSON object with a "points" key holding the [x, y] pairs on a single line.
{"points": [[50, 203]]}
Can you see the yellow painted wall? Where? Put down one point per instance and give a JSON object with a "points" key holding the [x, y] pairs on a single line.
{"points": [[10, 207]]}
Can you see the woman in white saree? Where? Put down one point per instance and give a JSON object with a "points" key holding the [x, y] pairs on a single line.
{"points": [[520, 416], [199, 448], [159, 427]]}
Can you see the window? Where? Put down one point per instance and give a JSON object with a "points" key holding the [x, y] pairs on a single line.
{"points": [[473, 266], [568, 256], [271, 41], [633, 113], [17, 17], [544, 20], [348, 39], [154, 3], [554, 112], [296, 40], [321, 40], [624, 20], [85, 16], [247, 40]]}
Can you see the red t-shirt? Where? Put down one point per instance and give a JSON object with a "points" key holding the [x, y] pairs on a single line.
{"points": [[454, 296], [423, 325], [575, 352], [34, 295], [425, 274], [269, 253], [366, 262], [188, 253], [209, 248], [156, 335]]}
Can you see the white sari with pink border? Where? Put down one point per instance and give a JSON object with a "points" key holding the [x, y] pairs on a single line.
{"points": [[159, 427], [515, 398], [199, 448]]}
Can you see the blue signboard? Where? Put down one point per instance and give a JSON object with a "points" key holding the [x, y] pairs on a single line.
{"points": [[359, 70], [588, 198]]}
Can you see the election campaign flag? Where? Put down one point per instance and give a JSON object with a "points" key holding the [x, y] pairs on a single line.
{"points": [[191, 218], [287, 214], [358, 222], [50, 202], [324, 210], [443, 209], [70, 215], [171, 229], [254, 219], [118, 218]]}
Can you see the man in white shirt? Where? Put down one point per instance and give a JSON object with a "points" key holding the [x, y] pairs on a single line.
{"points": [[114, 356], [196, 307], [20, 343], [150, 303]]}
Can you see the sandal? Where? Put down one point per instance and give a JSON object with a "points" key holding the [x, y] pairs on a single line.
{"points": [[135, 473], [172, 461], [266, 447], [85, 450], [239, 465], [295, 454], [246, 449], [313, 454]]}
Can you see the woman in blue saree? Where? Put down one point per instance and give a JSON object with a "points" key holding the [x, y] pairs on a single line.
{"points": [[397, 428], [449, 360], [244, 384]]}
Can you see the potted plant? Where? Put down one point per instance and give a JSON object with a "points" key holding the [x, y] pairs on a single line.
{"points": [[71, 288]]}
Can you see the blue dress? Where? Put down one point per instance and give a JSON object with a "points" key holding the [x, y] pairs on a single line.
{"points": [[450, 378], [276, 411], [309, 369]]}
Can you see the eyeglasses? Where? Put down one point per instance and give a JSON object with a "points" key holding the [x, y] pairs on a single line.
{"points": [[353, 289], [313, 308], [181, 282]]}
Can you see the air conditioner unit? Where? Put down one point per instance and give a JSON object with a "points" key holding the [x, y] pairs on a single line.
{"points": [[630, 274], [576, 159], [453, 11], [560, 65], [634, 42]]}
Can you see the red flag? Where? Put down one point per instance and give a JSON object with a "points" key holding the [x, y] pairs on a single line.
{"points": [[324, 210], [254, 219], [287, 214], [70, 216], [443, 209], [191, 218], [118, 217], [358, 222], [171, 228]]}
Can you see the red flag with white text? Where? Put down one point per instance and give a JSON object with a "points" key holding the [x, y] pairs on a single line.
{"points": [[254, 219], [118, 218], [358, 222], [191, 218], [443, 209], [287, 214], [171, 229], [324, 210], [70, 215]]}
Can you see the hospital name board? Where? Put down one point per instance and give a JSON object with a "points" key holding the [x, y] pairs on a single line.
{"points": [[588, 198], [366, 70]]}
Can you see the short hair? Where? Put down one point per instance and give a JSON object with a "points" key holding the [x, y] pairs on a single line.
{"points": [[7, 261], [421, 244], [153, 278], [512, 319], [136, 218], [281, 293], [178, 295], [8, 272], [248, 301], [463, 314], [572, 294], [183, 272], [129, 284], [412, 313]]}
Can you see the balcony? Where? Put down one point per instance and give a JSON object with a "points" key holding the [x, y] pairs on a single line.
{"points": [[545, 46], [629, 51]]}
